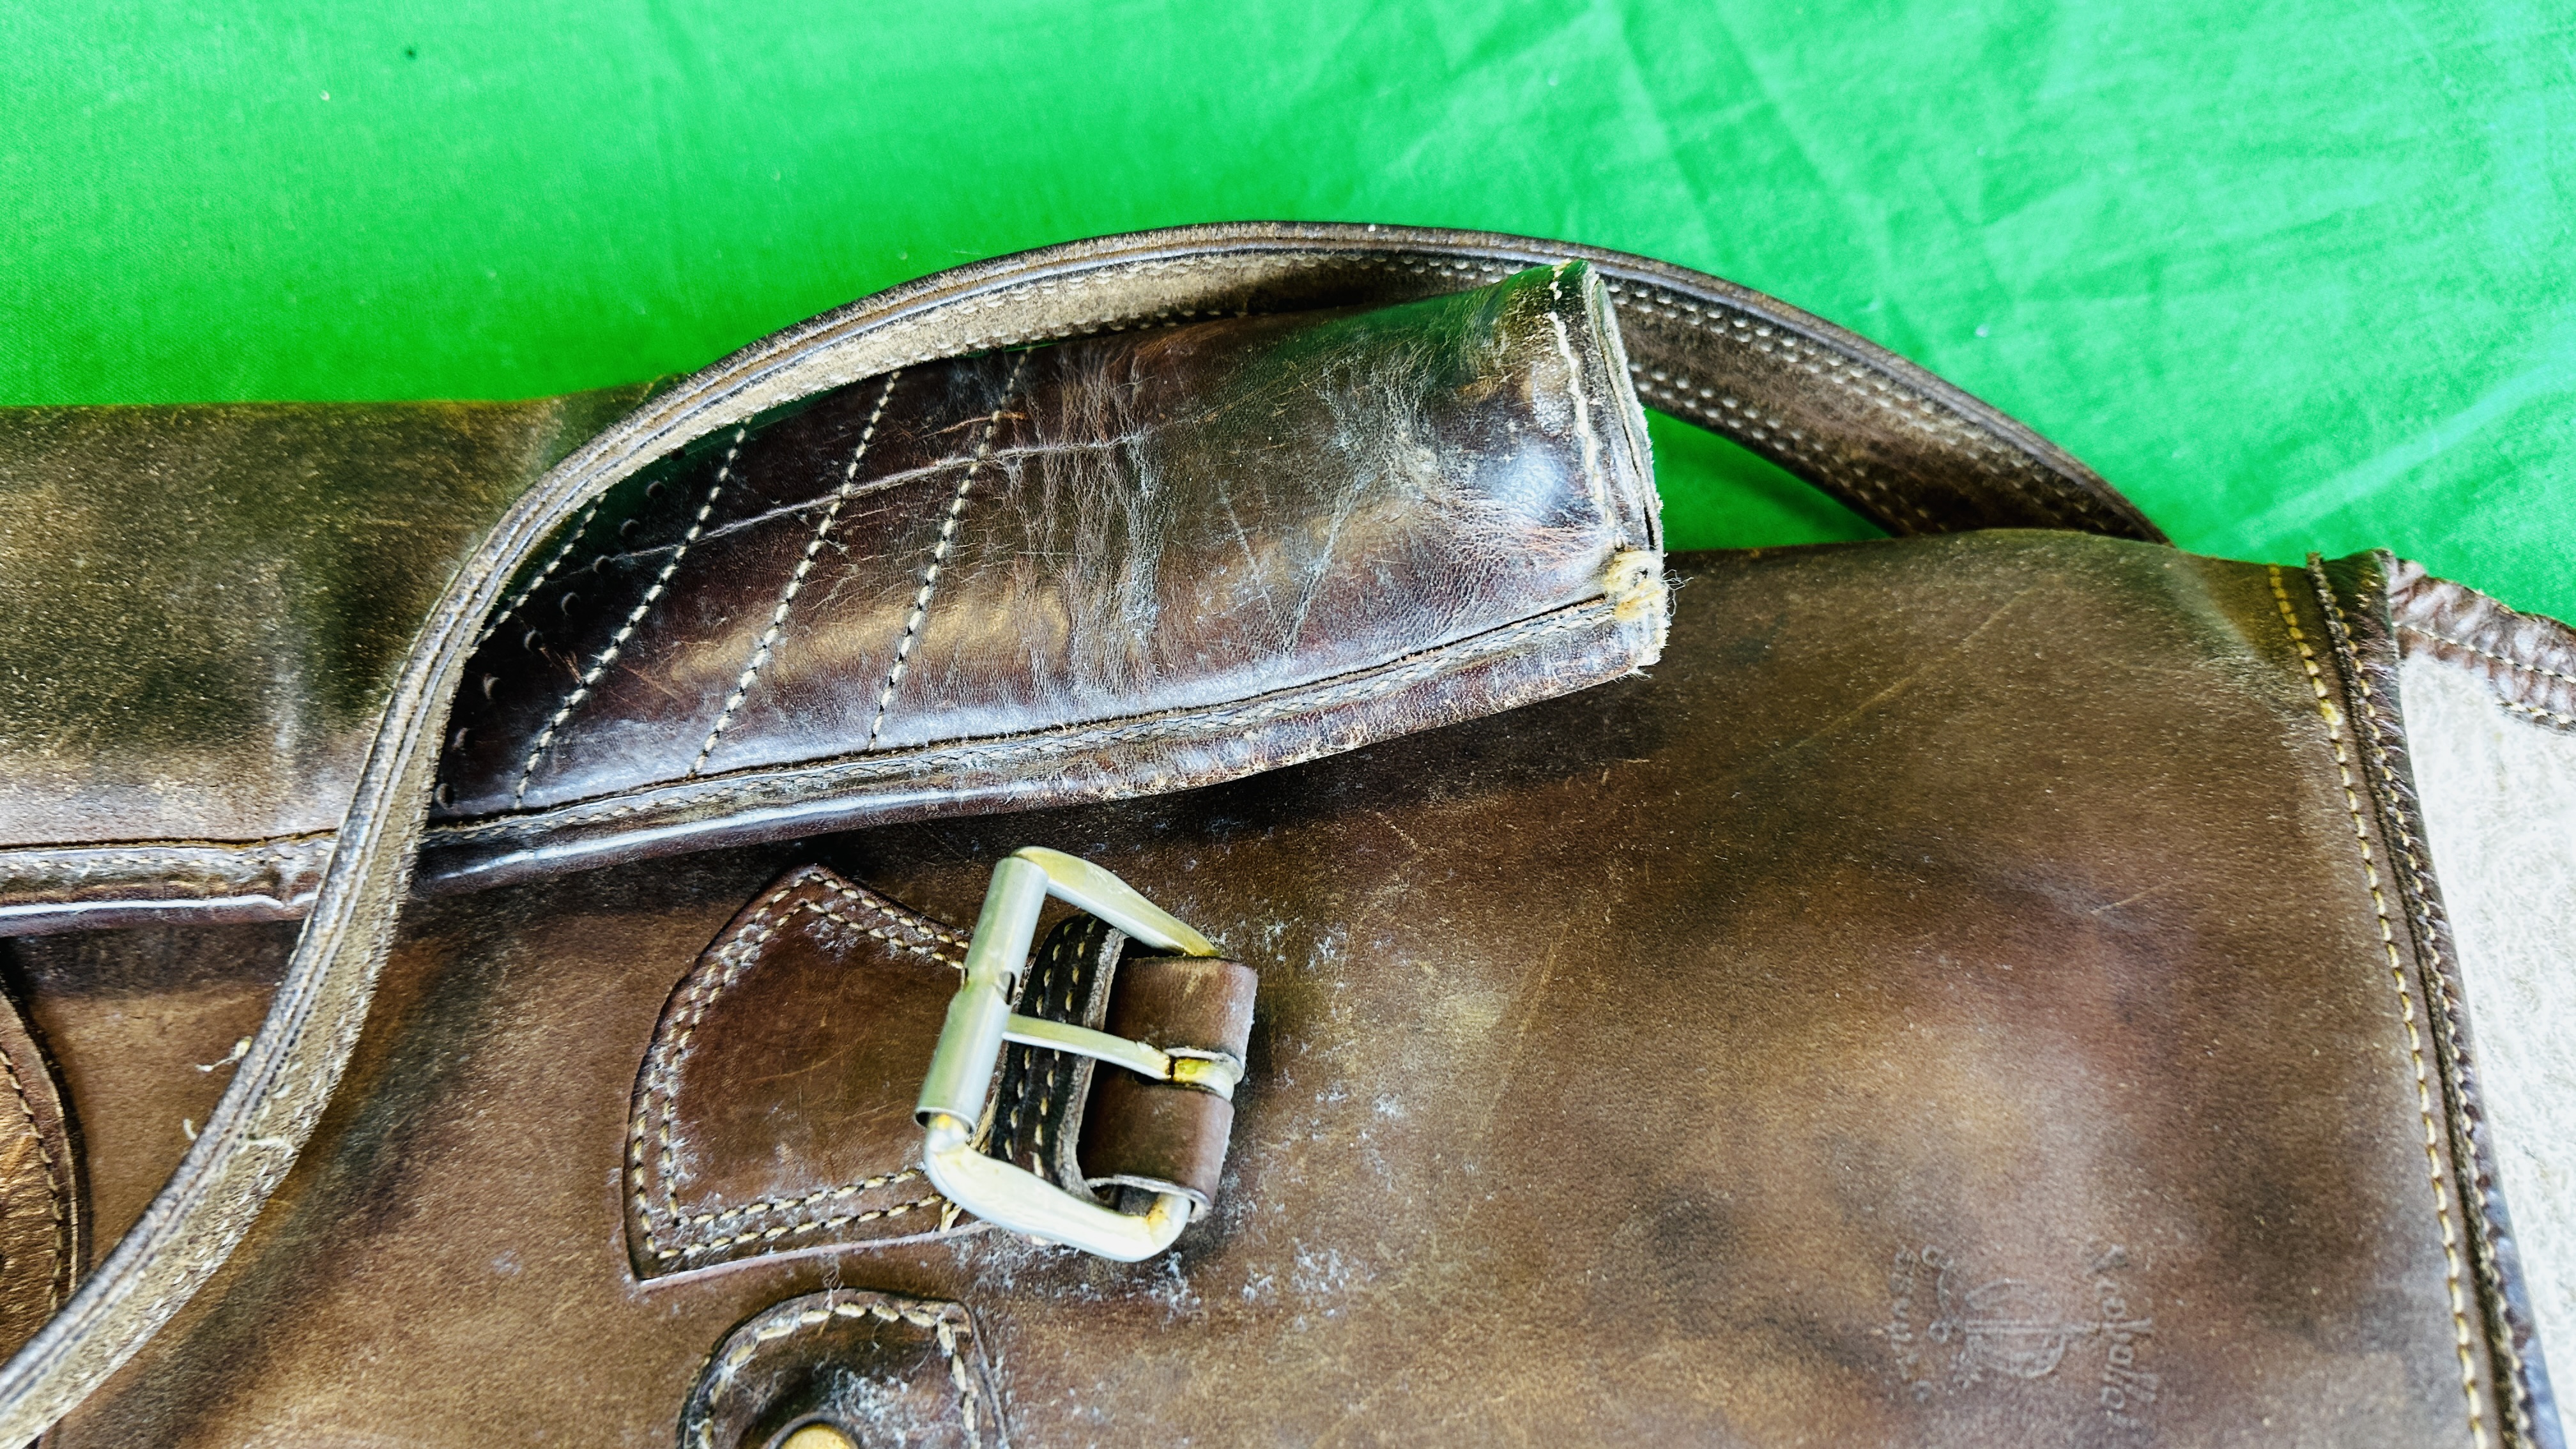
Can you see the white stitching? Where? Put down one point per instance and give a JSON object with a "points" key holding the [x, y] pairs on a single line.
{"points": [[939, 554], [2406, 1012], [668, 1054], [796, 580], [543, 574], [947, 1322], [2539, 669], [1592, 613], [617, 642]]}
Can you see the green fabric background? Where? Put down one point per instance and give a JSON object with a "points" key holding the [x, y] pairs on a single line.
{"points": [[2293, 275]]}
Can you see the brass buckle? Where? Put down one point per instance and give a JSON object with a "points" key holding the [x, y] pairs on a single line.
{"points": [[980, 1019]]}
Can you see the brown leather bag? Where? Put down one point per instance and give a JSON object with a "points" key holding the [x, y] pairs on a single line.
{"points": [[1983, 986]]}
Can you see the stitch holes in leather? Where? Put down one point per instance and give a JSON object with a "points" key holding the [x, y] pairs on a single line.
{"points": [[723, 1041]]}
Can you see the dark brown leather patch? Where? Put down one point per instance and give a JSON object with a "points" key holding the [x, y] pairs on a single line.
{"points": [[773, 1111]]}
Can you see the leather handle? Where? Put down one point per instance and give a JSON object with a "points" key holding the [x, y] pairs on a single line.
{"points": [[1902, 447]]}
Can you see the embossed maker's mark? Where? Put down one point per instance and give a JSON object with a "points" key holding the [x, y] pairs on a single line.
{"points": [[1951, 1330]]}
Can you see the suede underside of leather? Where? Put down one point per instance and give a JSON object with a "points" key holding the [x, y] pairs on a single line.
{"points": [[1943, 1003]]}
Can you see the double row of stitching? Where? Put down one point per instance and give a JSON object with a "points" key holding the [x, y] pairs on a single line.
{"points": [[2462, 1339], [948, 1325], [2417, 888], [656, 1111], [634, 619], [939, 552], [1863, 381]]}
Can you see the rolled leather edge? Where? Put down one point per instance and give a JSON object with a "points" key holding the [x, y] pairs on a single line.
{"points": [[2366, 600]]}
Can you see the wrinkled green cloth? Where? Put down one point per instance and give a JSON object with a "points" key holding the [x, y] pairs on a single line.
{"points": [[2294, 276]]}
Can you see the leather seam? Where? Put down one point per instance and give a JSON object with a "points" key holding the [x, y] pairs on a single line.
{"points": [[1871, 385], [272, 845], [946, 1324], [2510, 663], [617, 641], [796, 580], [939, 553], [2417, 888], [54, 1189], [2551, 715], [2406, 1010], [740, 955], [1009, 749]]}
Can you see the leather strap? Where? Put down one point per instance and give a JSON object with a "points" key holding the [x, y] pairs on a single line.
{"points": [[1904, 448]]}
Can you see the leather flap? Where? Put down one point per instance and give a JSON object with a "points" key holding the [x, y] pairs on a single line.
{"points": [[773, 1111]]}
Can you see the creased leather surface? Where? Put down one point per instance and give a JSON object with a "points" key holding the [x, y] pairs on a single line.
{"points": [[1944, 1004], [204, 607], [1903, 447], [995, 581], [881, 1368]]}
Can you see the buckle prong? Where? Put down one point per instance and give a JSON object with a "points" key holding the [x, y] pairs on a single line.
{"points": [[980, 1020]]}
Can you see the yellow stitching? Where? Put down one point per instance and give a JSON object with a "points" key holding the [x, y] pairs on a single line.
{"points": [[2406, 1012], [53, 1185], [951, 1326], [2423, 902]]}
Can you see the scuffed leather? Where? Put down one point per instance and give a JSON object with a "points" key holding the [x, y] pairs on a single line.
{"points": [[773, 1112], [2528, 661], [44, 1210], [1117, 565], [1949, 987], [201, 610], [881, 1368], [237, 818]]}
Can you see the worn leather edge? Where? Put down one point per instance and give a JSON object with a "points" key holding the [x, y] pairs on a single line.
{"points": [[34, 1090], [1674, 318], [954, 1324], [132, 883], [2527, 661], [277, 1094], [2353, 596], [1519, 664]]}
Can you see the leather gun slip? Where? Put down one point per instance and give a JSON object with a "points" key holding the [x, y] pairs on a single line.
{"points": [[1140, 843]]}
